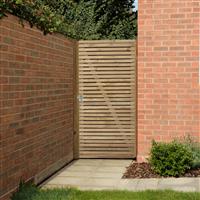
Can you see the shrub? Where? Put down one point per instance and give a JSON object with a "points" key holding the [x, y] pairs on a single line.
{"points": [[170, 159], [195, 148], [196, 154]]}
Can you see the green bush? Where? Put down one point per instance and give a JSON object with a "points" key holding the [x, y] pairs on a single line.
{"points": [[170, 159], [195, 148], [196, 154]]}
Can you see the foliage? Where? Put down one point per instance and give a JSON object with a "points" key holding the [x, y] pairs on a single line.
{"points": [[170, 159], [196, 153], [36, 12], [30, 192], [195, 148], [119, 20], [78, 19], [25, 192], [94, 19]]}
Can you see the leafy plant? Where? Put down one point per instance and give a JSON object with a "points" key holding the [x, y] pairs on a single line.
{"points": [[118, 18], [195, 148], [78, 19], [170, 159], [196, 154], [36, 12], [26, 191]]}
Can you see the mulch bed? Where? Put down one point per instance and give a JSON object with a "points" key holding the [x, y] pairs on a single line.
{"points": [[143, 170]]}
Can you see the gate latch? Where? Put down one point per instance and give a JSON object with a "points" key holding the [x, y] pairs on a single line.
{"points": [[80, 98]]}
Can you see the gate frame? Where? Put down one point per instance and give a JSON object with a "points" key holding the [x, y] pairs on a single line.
{"points": [[76, 101]]}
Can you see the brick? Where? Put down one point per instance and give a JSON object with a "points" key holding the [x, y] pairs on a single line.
{"points": [[36, 103], [168, 86]]}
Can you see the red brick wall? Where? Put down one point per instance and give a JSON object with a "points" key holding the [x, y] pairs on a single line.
{"points": [[36, 103], [168, 70]]}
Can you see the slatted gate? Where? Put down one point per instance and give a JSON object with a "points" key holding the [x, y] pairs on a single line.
{"points": [[107, 99]]}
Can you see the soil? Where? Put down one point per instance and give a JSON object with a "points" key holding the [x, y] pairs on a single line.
{"points": [[144, 170]]}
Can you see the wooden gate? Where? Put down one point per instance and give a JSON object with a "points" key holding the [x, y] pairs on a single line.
{"points": [[107, 99]]}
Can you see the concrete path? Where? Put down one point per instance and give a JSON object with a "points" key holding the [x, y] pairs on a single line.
{"points": [[107, 175]]}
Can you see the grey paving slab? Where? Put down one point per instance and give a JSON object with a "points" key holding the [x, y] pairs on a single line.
{"points": [[101, 182], [103, 169], [147, 184], [100, 174], [198, 185], [72, 181], [127, 184], [75, 174], [179, 184], [113, 175], [87, 162], [82, 168]]}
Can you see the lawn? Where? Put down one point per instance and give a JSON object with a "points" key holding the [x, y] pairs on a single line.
{"points": [[33, 193]]}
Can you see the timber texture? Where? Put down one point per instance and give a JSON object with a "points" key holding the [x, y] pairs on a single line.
{"points": [[107, 99]]}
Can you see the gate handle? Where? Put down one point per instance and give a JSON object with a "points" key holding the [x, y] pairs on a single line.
{"points": [[80, 98]]}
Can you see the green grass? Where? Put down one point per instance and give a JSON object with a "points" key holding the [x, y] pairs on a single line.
{"points": [[33, 193]]}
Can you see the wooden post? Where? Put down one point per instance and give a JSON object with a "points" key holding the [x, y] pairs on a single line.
{"points": [[76, 103]]}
